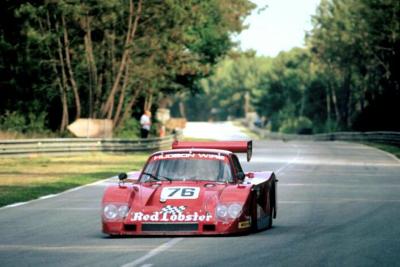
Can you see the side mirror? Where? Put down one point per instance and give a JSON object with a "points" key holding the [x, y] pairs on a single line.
{"points": [[122, 176], [241, 176]]}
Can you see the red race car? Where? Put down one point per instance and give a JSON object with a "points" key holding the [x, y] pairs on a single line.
{"points": [[197, 188]]}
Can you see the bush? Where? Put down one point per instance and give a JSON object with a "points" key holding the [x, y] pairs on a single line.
{"points": [[130, 129], [37, 123], [14, 123], [300, 125]]}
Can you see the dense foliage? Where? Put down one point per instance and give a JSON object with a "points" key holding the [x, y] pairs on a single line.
{"points": [[347, 77], [66, 59]]}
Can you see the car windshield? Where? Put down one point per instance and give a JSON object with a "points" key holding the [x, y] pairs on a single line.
{"points": [[189, 166]]}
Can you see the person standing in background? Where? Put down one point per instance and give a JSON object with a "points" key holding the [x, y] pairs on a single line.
{"points": [[145, 124]]}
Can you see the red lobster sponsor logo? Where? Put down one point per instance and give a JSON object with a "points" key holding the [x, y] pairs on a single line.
{"points": [[170, 214]]}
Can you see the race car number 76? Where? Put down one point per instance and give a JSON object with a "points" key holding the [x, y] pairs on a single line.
{"points": [[180, 193]]}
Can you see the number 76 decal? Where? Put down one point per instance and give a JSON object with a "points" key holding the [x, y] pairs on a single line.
{"points": [[180, 192]]}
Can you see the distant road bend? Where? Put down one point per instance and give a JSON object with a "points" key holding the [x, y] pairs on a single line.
{"points": [[339, 205]]}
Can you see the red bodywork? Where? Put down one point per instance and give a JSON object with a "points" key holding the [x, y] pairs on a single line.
{"points": [[147, 204]]}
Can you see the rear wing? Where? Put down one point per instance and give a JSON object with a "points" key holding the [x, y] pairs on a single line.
{"points": [[233, 146]]}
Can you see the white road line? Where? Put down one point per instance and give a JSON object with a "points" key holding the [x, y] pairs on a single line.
{"points": [[48, 196], [153, 253], [54, 195], [295, 159], [14, 205]]}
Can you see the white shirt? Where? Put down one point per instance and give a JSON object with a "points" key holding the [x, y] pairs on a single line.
{"points": [[145, 122]]}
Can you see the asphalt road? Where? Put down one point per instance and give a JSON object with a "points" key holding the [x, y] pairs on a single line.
{"points": [[339, 205]]}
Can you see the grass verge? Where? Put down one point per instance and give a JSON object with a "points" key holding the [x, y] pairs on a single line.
{"points": [[395, 150], [24, 179]]}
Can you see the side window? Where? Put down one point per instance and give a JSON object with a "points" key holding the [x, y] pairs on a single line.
{"points": [[236, 164]]}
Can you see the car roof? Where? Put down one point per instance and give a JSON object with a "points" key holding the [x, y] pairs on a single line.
{"points": [[194, 150]]}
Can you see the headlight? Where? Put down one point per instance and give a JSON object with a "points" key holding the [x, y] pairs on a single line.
{"points": [[221, 211], [123, 211], [110, 211], [228, 211], [234, 210], [115, 211]]}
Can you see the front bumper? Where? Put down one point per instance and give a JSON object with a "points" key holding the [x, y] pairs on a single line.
{"points": [[174, 228]]}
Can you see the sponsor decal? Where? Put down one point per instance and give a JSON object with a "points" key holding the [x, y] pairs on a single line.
{"points": [[188, 156], [170, 213], [178, 192], [244, 224], [172, 209], [168, 217]]}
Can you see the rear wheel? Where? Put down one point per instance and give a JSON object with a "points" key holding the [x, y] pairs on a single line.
{"points": [[271, 214]]}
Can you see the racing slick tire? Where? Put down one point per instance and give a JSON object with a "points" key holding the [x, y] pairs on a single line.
{"points": [[266, 222]]}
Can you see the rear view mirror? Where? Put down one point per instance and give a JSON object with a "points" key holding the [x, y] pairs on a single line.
{"points": [[241, 176], [122, 176]]}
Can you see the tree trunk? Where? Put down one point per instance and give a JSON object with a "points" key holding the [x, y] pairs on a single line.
{"points": [[148, 100], [128, 109], [64, 84], [70, 71], [348, 99], [92, 69], [335, 105], [122, 96], [108, 106], [333, 95], [328, 107], [64, 103], [97, 95], [62, 89]]}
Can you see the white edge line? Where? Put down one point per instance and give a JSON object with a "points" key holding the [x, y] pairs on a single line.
{"points": [[153, 252], [14, 205], [296, 158], [54, 195], [48, 196]]}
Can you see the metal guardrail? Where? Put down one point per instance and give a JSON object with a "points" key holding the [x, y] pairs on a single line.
{"points": [[392, 138], [77, 145]]}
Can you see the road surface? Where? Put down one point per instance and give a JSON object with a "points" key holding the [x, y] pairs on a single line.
{"points": [[339, 205]]}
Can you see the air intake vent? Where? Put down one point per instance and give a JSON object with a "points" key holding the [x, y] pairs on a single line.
{"points": [[209, 228], [174, 227], [130, 227]]}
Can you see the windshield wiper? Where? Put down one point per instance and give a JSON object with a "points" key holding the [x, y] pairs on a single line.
{"points": [[157, 177]]}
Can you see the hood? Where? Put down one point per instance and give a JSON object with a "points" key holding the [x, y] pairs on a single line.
{"points": [[200, 196]]}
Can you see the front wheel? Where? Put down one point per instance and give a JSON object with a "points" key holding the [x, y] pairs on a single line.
{"points": [[261, 220]]}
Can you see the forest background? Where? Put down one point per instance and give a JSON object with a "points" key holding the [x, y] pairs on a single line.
{"points": [[111, 59]]}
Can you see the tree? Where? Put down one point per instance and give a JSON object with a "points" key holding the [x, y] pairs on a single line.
{"points": [[356, 44], [100, 58]]}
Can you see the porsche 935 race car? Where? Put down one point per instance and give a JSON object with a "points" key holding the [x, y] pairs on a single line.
{"points": [[196, 188]]}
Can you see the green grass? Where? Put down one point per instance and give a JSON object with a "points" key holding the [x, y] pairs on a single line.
{"points": [[23, 179], [394, 150]]}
